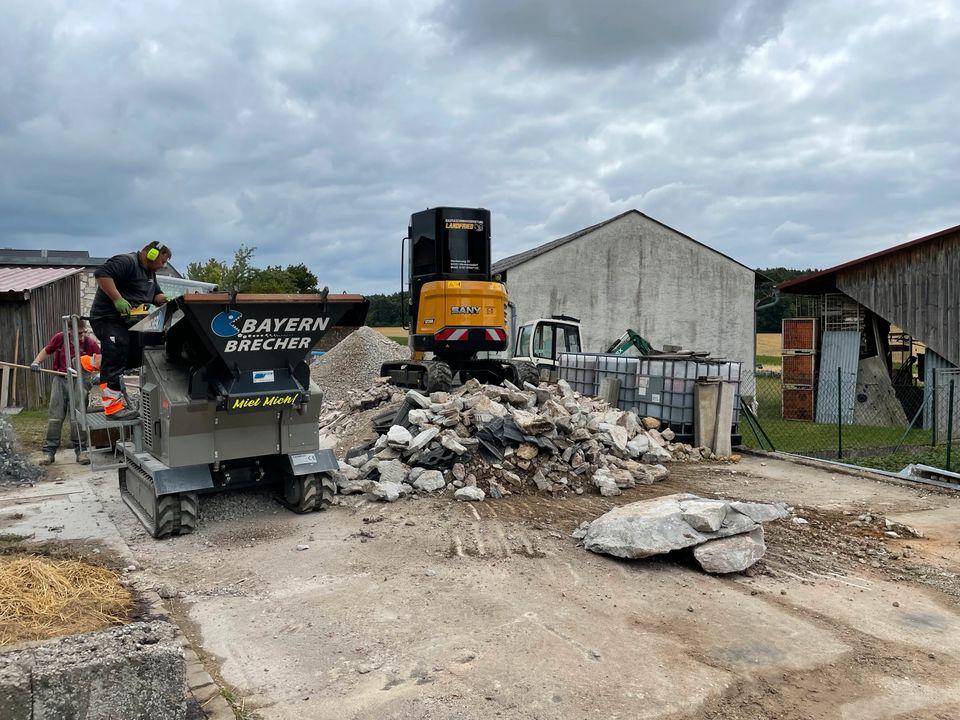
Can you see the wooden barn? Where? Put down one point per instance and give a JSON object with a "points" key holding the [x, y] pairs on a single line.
{"points": [[33, 299], [892, 321]]}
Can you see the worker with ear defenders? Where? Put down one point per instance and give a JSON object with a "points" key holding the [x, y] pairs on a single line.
{"points": [[123, 282]]}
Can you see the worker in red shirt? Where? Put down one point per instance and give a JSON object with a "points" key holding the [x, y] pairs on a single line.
{"points": [[59, 399]]}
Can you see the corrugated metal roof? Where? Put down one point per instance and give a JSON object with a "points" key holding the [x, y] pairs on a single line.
{"points": [[16, 278]]}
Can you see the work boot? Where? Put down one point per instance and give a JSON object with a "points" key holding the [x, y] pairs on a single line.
{"points": [[49, 458], [125, 414], [82, 458]]}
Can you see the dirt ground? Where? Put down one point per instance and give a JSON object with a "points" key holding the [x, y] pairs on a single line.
{"points": [[429, 608]]}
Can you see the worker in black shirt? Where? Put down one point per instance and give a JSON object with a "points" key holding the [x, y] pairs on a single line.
{"points": [[123, 282]]}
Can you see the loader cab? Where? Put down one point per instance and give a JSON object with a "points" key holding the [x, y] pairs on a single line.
{"points": [[542, 341]]}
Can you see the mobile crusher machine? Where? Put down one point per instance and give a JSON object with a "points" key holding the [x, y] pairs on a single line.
{"points": [[226, 401]]}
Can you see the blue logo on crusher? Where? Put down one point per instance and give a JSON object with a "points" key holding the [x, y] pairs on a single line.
{"points": [[223, 323]]}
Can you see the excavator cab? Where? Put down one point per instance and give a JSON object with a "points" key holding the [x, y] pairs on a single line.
{"points": [[457, 309]]}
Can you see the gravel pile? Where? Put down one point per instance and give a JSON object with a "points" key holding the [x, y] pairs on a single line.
{"points": [[14, 469], [354, 363], [490, 441]]}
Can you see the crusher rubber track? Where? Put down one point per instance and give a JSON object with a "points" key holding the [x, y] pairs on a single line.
{"points": [[174, 514], [306, 493]]}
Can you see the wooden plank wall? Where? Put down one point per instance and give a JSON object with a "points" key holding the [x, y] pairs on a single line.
{"points": [[37, 318], [917, 289]]}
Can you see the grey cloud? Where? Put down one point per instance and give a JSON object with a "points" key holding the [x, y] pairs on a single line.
{"points": [[607, 32], [312, 130]]}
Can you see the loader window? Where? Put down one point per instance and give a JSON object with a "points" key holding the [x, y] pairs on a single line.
{"points": [[466, 252], [424, 253], [568, 340], [543, 342], [523, 342]]}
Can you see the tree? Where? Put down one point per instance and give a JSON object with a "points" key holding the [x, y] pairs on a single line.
{"points": [[272, 279], [384, 310], [305, 281], [769, 319], [239, 275], [212, 271]]}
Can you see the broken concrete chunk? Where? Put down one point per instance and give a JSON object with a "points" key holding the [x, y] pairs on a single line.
{"points": [[486, 406], [704, 515], [655, 473], [419, 417], [668, 435], [418, 400], [399, 436], [650, 423], [656, 455], [661, 525], [450, 441], [617, 433], [540, 480], [606, 484], [581, 530], [469, 493], [392, 471], [386, 491], [429, 481], [422, 439], [530, 424], [761, 512], [731, 554]]}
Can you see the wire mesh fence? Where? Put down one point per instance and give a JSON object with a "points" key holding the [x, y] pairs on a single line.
{"points": [[863, 419]]}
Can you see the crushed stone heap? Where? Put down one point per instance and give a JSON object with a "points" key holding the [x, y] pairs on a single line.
{"points": [[354, 362], [489, 441]]}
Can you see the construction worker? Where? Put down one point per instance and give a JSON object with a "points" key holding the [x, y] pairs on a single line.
{"points": [[124, 281], [59, 399]]}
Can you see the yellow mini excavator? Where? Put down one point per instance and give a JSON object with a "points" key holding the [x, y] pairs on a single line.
{"points": [[457, 309]]}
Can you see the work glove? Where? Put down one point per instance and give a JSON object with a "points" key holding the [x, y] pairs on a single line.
{"points": [[122, 306], [35, 366]]}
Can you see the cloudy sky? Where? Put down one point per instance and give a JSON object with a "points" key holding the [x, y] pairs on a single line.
{"points": [[780, 132]]}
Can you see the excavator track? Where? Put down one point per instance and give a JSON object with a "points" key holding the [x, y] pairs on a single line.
{"points": [[307, 493], [174, 514]]}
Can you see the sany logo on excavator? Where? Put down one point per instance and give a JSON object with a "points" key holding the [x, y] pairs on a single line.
{"points": [[465, 310], [223, 324]]}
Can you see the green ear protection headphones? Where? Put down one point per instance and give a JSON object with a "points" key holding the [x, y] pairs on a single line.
{"points": [[152, 254]]}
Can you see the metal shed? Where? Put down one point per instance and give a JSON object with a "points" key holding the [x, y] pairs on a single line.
{"points": [[32, 301]]}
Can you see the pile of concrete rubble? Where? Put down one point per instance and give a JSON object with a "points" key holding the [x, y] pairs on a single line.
{"points": [[490, 441], [725, 536]]}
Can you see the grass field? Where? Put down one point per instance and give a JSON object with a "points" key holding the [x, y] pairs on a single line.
{"points": [[397, 334], [768, 344], [798, 436]]}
